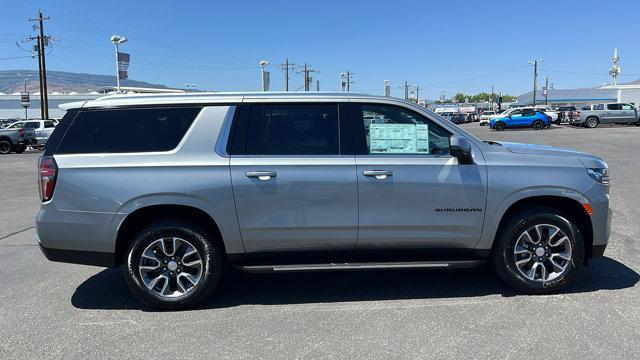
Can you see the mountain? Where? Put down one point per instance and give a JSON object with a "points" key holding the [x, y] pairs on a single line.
{"points": [[636, 82], [61, 81]]}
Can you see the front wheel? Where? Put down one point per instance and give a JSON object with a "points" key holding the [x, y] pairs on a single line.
{"points": [[537, 125], [539, 251], [20, 149], [173, 264], [499, 126]]}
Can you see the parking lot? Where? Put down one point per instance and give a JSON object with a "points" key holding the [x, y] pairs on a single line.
{"points": [[53, 310]]}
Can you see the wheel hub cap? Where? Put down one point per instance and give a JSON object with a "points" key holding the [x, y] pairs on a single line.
{"points": [[542, 253], [170, 267]]}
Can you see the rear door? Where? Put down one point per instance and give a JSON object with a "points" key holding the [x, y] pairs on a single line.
{"points": [[293, 179], [412, 193]]}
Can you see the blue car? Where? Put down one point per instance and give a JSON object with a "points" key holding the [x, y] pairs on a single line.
{"points": [[528, 118]]}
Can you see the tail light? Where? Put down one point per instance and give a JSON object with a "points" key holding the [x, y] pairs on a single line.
{"points": [[47, 173], [21, 132]]}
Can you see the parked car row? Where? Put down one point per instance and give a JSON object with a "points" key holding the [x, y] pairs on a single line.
{"points": [[16, 140], [15, 137], [609, 113]]}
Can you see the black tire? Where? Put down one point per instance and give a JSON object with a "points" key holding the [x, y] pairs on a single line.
{"points": [[20, 149], [503, 257], [207, 250], [499, 126], [537, 125], [591, 123], [5, 146]]}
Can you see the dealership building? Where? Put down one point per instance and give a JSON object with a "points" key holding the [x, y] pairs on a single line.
{"points": [[629, 93]]}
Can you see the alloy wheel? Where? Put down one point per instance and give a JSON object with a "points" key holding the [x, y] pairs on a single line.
{"points": [[542, 253], [170, 267]]}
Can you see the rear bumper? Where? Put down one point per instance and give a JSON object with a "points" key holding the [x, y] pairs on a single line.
{"points": [[78, 257], [27, 141]]}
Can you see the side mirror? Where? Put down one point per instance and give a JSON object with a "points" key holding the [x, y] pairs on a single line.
{"points": [[460, 148]]}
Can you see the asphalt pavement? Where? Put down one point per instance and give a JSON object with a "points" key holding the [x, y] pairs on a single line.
{"points": [[53, 310]]}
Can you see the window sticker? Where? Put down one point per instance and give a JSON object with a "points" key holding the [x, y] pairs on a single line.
{"points": [[399, 138]]}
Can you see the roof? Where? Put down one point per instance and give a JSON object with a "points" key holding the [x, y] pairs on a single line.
{"points": [[218, 97], [570, 95]]}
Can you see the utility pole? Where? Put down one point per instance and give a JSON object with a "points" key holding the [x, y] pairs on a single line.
{"points": [[345, 81], [491, 98], [406, 90], [417, 88], [306, 71], [387, 88], [318, 85], [535, 77], [286, 67], [546, 91], [42, 41]]}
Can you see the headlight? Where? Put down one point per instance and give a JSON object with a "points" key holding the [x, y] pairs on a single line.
{"points": [[599, 175]]}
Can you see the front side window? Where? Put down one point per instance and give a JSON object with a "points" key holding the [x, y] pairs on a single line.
{"points": [[32, 125], [16, 125], [627, 107], [614, 107], [394, 130], [49, 124], [293, 129]]}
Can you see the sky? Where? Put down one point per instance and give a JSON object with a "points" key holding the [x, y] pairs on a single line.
{"points": [[450, 46]]}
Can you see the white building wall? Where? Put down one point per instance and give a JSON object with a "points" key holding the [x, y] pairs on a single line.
{"points": [[629, 96]]}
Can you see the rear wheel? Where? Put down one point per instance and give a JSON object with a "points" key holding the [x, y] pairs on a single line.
{"points": [[591, 123], [173, 264], [499, 126], [537, 125], [5, 147], [539, 251]]}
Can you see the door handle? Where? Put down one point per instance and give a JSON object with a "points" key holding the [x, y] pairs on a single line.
{"points": [[378, 174], [261, 175]]}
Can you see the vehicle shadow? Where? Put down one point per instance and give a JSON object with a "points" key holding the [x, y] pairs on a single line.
{"points": [[107, 290]]}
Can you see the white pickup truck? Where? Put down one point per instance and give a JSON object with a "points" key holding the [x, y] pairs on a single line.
{"points": [[42, 129]]}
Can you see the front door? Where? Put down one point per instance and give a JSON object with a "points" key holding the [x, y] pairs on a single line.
{"points": [[412, 193], [293, 189]]}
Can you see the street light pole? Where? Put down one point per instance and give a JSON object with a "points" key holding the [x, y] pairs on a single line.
{"points": [[263, 63], [117, 40]]}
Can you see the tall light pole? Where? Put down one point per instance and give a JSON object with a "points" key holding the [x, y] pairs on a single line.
{"points": [[263, 63], [387, 88], [118, 40], [535, 77]]}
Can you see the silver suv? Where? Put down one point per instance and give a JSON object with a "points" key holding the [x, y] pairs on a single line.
{"points": [[178, 187]]}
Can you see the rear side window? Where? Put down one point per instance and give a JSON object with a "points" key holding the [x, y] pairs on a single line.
{"points": [[614, 107], [293, 129], [127, 130], [49, 124]]}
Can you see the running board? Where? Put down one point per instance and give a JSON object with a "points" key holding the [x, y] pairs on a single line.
{"points": [[463, 264]]}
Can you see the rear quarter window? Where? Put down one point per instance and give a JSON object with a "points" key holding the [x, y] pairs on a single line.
{"points": [[127, 130]]}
